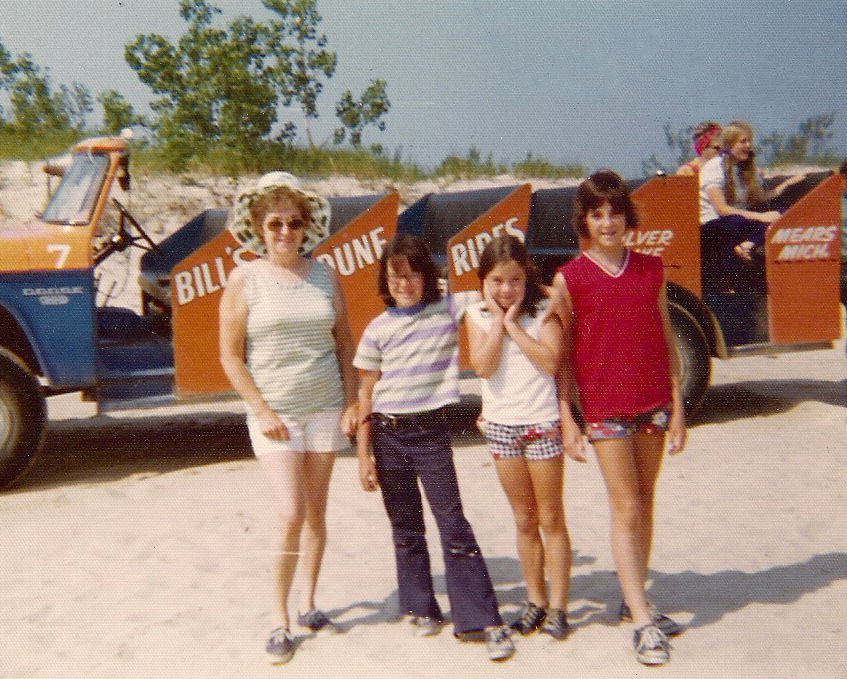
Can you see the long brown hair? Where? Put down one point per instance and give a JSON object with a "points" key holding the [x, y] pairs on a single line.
{"points": [[734, 170]]}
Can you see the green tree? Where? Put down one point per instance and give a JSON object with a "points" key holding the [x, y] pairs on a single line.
{"points": [[810, 144], [8, 69], [247, 110], [681, 147], [77, 103], [218, 89], [117, 112], [35, 107], [213, 84], [471, 165], [355, 114], [39, 119], [300, 66]]}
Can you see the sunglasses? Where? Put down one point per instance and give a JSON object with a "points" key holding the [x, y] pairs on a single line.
{"points": [[295, 224]]}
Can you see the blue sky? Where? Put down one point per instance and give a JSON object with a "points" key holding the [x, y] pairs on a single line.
{"points": [[573, 81]]}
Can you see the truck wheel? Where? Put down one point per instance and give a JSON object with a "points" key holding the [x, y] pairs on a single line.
{"points": [[694, 357], [23, 413]]}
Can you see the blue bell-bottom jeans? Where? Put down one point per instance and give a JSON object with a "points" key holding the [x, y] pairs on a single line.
{"points": [[406, 453]]}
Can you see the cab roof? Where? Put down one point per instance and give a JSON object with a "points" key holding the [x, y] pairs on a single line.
{"points": [[108, 144]]}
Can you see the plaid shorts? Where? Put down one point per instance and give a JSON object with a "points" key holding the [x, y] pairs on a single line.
{"points": [[653, 421], [539, 441]]}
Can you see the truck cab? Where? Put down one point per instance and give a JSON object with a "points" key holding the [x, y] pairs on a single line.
{"points": [[59, 328]]}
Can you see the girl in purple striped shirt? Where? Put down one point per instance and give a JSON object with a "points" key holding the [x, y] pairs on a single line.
{"points": [[408, 365]]}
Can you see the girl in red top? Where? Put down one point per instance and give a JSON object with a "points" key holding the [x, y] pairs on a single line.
{"points": [[620, 354]]}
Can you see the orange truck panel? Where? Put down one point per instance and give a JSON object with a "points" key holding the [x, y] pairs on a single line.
{"points": [[669, 226], [509, 217], [354, 253], [196, 286], [37, 246], [803, 250]]}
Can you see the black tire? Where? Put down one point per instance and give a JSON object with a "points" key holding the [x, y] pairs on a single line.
{"points": [[694, 357], [23, 414]]}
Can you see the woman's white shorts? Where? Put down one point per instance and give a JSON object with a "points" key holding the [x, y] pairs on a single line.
{"points": [[315, 433]]}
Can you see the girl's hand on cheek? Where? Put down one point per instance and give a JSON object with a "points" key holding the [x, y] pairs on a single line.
{"points": [[514, 311], [492, 306]]}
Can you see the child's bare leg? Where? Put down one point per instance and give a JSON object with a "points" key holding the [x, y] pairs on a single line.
{"points": [[649, 449], [517, 483], [620, 472], [548, 484]]}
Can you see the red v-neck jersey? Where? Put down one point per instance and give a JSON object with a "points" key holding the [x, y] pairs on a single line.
{"points": [[620, 355]]}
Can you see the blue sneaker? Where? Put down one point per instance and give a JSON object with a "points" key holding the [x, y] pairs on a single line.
{"points": [[498, 643], [556, 624], [530, 618], [651, 645], [316, 620], [426, 626], [280, 646], [669, 626]]}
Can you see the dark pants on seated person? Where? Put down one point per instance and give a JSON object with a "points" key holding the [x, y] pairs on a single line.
{"points": [[404, 453], [722, 267]]}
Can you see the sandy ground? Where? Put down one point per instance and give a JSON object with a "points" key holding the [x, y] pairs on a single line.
{"points": [[142, 544]]}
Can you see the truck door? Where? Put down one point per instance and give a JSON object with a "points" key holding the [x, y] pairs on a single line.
{"points": [[803, 259], [669, 226]]}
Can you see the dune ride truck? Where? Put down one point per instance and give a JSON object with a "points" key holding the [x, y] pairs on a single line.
{"points": [[59, 333]]}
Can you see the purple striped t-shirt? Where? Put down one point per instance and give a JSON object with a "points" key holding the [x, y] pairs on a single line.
{"points": [[416, 350]]}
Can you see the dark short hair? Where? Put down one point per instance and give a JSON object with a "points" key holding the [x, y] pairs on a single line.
{"points": [[420, 260], [507, 248], [604, 186], [843, 167]]}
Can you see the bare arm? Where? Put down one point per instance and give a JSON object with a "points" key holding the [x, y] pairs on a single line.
{"points": [[345, 351], [367, 464], [571, 433], [546, 351], [677, 432], [790, 181], [232, 341], [485, 347], [718, 200]]}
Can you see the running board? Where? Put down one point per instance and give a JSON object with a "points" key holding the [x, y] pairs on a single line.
{"points": [[764, 349]]}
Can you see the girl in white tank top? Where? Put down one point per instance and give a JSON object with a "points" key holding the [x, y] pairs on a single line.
{"points": [[515, 347]]}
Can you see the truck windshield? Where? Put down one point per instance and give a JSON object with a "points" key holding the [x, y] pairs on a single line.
{"points": [[77, 193]]}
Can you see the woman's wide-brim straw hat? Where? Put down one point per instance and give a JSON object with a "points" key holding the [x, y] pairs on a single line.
{"points": [[248, 234]]}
